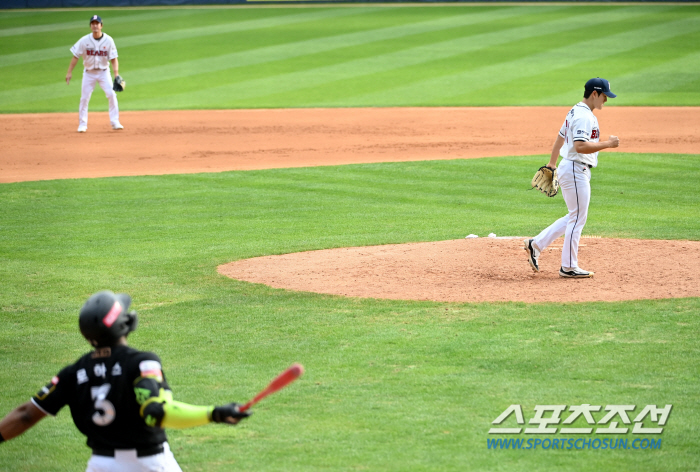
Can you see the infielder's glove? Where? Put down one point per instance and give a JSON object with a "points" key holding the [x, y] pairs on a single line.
{"points": [[119, 84], [230, 414], [545, 180]]}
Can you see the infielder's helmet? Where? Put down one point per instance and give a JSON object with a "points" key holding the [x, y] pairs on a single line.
{"points": [[105, 318]]}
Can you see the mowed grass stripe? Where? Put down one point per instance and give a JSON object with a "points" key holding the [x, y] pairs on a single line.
{"points": [[180, 34], [641, 86], [268, 54], [441, 89], [349, 61], [322, 44], [82, 25], [309, 78]]}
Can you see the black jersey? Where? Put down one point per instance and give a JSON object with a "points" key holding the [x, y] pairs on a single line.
{"points": [[99, 389]]}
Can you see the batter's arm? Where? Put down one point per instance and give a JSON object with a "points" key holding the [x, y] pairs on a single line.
{"points": [[158, 409], [586, 147], [69, 74], [558, 143], [19, 420]]}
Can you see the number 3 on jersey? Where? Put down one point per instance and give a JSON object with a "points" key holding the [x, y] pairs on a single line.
{"points": [[99, 394]]}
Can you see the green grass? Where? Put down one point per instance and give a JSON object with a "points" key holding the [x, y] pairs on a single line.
{"points": [[360, 55], [390, 385]]}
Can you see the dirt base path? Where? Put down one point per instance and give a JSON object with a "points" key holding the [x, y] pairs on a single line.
{"points": [[47, 146], [483, 270]]}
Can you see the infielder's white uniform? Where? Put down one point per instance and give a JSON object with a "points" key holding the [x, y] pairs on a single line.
{"points": [[575, 183], [96, 54]]}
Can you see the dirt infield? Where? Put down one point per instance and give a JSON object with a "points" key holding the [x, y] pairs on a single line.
{"points": [[47, 146]]}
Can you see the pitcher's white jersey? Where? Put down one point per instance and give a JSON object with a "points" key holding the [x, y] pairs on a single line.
{"points": [[96, 53], [580, 125]]}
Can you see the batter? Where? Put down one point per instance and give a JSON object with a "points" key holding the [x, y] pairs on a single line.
{"points": [[97, 50], [118, 396], [578, 143]]}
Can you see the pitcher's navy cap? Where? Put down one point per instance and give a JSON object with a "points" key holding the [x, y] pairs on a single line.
{"points": [[600, 86], [95, 18]]}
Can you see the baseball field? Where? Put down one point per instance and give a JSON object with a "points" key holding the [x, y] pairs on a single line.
{"points": [[391, 383]]}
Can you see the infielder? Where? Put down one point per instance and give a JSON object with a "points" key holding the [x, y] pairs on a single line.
{"points": [[97, 50], [578, 143], [118, 396]]}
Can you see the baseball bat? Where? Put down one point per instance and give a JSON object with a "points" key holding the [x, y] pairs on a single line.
{"points": [[277, 384]]}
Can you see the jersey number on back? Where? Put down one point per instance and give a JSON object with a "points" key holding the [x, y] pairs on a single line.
{"points": [[107, 414]]}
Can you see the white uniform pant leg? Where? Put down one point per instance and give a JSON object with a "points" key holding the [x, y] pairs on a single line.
{"points": [[105, 80], [89, 79], [575, 185], [550, 233], [577, 195], [127, 461]]}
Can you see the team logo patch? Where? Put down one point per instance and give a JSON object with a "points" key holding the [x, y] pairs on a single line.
{"points": [[54, 380], [44, 392], [150, 369], [112, 315]]}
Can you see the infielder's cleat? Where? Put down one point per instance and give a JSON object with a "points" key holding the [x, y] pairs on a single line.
{"points": [[117, 126], [532, 255], [575, 273], [82, 129]]}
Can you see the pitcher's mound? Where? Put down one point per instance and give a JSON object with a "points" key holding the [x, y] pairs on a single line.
{"points": [[483, 270]]}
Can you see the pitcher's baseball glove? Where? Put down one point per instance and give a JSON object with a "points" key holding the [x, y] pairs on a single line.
{"points": [[545, 180], [119, 84]]}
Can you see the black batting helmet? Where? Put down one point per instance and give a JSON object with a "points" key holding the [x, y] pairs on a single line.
{"points": [[105, 318]]}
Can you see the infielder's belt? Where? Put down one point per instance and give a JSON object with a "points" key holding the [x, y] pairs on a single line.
{"points": [[140, 452]]}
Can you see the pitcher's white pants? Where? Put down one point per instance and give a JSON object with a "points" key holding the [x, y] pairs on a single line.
{"points": [[575, 185], [125, 460], [90, 77]]}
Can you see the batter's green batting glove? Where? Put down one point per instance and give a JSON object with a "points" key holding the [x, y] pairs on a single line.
{"points": [[230, 414]]}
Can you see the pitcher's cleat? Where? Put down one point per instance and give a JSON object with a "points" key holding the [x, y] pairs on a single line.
{"points": [[574, 273], [532, 255]]}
